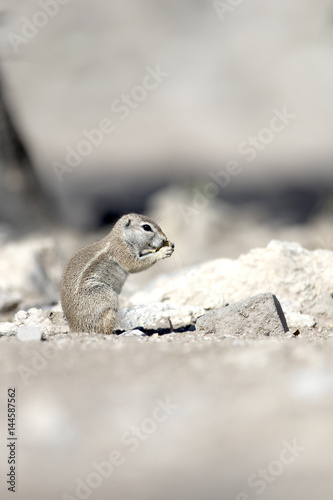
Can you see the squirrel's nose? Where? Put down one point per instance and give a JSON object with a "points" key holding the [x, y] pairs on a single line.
{"points": [[172, 245]]}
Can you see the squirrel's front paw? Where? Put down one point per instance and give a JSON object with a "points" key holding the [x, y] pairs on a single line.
{"points": [[166, 251]]}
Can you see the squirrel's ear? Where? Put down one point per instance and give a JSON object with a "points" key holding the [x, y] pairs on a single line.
{"points": [[128, 223]]}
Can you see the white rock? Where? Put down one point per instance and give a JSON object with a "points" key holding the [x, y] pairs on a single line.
{"points": [[7, 328], [295, 318], [21, 316], [299, 320], [301, 278], [135, 333], [49, 321], [157, 315], [33, 316], [29, 333]]}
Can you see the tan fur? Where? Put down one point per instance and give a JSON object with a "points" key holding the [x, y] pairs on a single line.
{"points": [[95, 275]]}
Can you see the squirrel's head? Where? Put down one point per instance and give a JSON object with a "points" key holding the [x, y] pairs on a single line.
{"points": [[142, 233]]}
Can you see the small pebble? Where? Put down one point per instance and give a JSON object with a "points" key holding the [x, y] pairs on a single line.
{"points": [[21, 315], [135, 332]]}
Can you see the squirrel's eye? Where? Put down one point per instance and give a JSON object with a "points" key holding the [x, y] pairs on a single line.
{"points": [[146, 227]]}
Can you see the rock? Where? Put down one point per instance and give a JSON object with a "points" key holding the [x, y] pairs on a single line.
{"points": [[296, 319], [134, 333], [33, 317], [7, 329], [292, 310], [21, 316], [50, 321], [254, 316], [300, 277], [29, 333], [157, 315]]}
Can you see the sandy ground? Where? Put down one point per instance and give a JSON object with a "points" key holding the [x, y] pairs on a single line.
{"points": [[190, 417]]}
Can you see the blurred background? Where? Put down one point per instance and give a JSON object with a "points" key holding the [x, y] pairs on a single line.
{"points": [[112, 107]]}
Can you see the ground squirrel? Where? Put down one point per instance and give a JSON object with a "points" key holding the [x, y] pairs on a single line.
{"points": [[95, 275]]}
